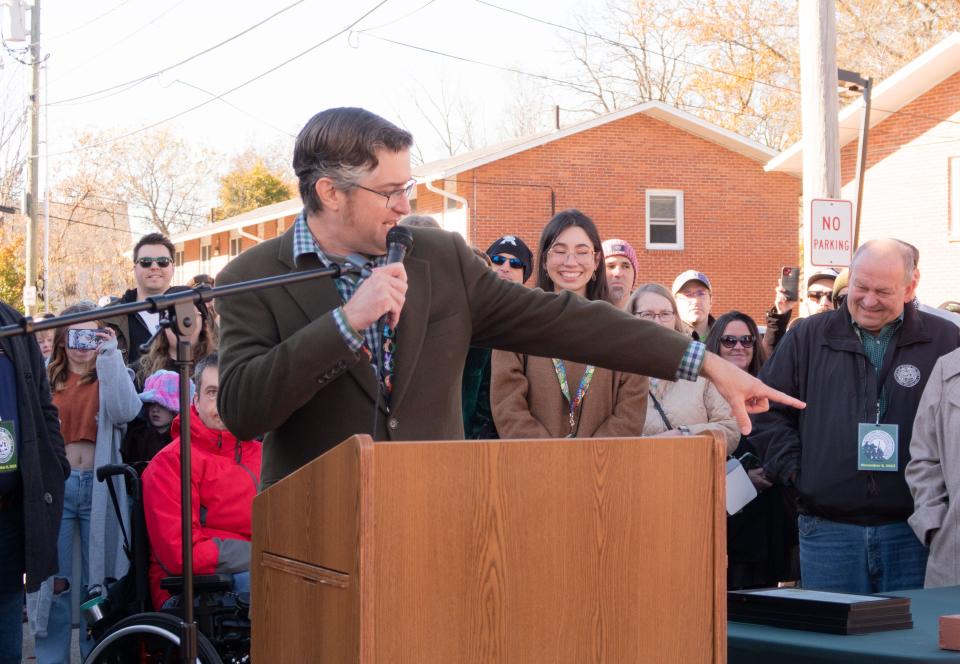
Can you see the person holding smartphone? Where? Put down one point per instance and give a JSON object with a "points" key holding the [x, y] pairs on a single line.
{"points": [[94, 392], [817, 299]]}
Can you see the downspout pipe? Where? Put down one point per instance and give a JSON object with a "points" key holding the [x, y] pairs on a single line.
{"points": [[428, 183]]}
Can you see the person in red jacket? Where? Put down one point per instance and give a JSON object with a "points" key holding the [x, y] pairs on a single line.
{"points": [[226, 474]]}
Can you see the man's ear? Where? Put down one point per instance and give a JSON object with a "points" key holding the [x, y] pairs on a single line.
{"points": [[330, 197]]}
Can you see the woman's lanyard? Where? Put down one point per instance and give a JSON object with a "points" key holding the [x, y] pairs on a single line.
{"points": [[577, 400]]}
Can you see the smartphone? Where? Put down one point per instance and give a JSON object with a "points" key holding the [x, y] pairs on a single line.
{"points": [[749, 461], [83, 339], [790, 282]]}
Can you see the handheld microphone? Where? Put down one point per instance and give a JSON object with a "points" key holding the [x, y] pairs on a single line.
{"points": [[399, 242]]}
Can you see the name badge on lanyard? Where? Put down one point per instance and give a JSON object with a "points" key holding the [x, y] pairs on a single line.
{"points": [[8, 447], [878, 447]]}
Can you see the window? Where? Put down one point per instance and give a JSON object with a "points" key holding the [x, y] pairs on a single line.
{"points": [[178, 264], [954, 198], [450, 186], [664, 219], [234, 247], [204, 258]]}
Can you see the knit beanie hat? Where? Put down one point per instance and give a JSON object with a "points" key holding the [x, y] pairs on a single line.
{"points": [[841, 282], [163, 387], [618, 247], [511, 244]]}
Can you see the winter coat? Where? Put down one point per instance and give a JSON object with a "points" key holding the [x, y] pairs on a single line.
{"points": [[42, 462], [225, 473], [696, 404], [527, 401], [933, 473], [821, 361]]}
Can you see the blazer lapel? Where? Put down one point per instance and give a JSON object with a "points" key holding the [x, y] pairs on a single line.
{"points": [[412, 327], [319, 296]]}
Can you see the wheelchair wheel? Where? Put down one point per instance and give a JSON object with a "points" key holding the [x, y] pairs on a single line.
{"points": [[147, 638]]}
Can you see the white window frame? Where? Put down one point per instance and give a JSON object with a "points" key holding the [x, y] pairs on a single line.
{"points": [[450, 186], [235, 242], [205, 248], [954, 198], [678, 195]]}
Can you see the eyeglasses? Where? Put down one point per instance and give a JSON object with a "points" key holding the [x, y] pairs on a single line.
{"points": [[580, 254], [730, 341], [817, 295], [147, 262], [515, 263], [665, 316], [395, 196]]}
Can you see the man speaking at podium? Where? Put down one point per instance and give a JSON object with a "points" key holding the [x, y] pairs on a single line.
{"points": [[308, 364]]}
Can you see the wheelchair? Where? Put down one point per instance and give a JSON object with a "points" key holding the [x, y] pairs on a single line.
{"points": [[119, 612]]}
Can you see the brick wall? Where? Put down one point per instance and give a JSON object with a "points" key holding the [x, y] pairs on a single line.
{"points": [[906, 189], [741, 224]]}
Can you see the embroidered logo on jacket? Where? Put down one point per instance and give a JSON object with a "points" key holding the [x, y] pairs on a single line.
{"points": [[906, 375]]}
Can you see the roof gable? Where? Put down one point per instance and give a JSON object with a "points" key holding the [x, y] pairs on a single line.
{"points": [[671, 115], [917, 77]]}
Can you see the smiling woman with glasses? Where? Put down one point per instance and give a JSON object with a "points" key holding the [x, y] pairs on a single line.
{"points": [[680, 407], [540, 397]]}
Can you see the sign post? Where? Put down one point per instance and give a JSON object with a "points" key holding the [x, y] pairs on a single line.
{"points": [[831, 233]]}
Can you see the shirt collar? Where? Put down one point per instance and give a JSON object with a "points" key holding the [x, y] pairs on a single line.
{"points": [[885, 332], [304, 243]]}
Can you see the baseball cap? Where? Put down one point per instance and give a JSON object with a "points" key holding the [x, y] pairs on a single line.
{"points": [[691, 275], [827, 273]]}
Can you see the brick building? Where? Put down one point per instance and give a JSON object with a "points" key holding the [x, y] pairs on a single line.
{"points": [[684, 192], [912, 182]]}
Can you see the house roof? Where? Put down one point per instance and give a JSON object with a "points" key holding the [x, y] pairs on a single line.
{"points": [[443, 168], [266, 213], [436, 170], [902, 87]]}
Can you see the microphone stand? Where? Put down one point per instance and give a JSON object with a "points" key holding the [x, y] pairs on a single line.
{"points": [[181, 318]]}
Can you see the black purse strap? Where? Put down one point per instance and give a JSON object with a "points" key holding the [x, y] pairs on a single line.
{"points": [[116, 507], [663, 415]]}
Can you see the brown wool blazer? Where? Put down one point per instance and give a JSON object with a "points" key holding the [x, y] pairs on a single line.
{"points": [[286, 372]]}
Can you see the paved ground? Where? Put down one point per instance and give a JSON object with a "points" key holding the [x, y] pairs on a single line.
{"points": [[28, 655]]}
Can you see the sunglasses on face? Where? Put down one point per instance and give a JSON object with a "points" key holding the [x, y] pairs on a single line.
{"points": [[515, 263], [147, 262], [730, 341], [818, 295]]}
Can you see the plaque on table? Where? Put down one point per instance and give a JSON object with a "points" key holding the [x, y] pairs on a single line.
{"points": [[819, 611]]}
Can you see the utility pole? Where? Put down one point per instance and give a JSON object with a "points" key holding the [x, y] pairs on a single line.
{"points": [[818, 107], [33, 164]]}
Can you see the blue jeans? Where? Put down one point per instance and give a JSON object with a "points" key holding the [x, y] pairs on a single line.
{"points": [[11, 584], [54, 648], [849, 558]]}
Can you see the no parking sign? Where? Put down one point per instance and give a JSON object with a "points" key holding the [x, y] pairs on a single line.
{"points": [[831, 232]]}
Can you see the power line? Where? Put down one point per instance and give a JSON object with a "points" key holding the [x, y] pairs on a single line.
{"points": [[87, 223], [91, 21], [120, 41], [569, 84], [237, 108], [614, 42], [400, 18], [231, 90], [140, 79]]}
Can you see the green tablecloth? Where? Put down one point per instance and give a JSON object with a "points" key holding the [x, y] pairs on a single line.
{"points": [[749, 644]]}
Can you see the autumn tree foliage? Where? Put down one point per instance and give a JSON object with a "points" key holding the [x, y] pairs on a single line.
{"points": [[736, 62], [250, 186]]}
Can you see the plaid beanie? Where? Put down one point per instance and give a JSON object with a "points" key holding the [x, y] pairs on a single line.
{"points": [[618, 247], [511, 244]]}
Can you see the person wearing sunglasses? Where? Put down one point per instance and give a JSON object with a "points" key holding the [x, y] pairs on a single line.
{"points": [[679, 408], [761, 538], [153, 271], [817, 299], [543, 397], [512, 259]]}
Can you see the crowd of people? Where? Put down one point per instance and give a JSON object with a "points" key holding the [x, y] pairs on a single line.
{"points": [[854, 493]]}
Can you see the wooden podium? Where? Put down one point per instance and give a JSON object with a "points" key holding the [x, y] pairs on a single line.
{"points": [[575, 550]]}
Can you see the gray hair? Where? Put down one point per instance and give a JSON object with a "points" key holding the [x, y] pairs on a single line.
{"points": [[204, 363], [887, 245], [341, 144]]}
